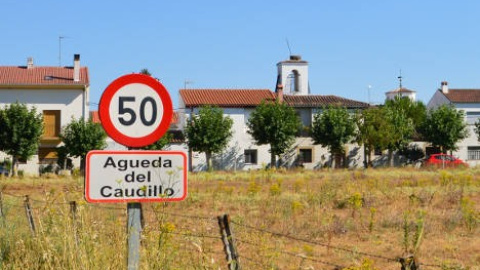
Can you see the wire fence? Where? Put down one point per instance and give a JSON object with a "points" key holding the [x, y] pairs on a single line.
{"points": [[201, 234]]}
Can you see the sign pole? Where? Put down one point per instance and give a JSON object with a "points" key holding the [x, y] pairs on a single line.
{"points": [[135, 110], [134, 228]]}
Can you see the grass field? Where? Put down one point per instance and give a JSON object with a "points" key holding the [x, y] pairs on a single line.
{"points": [[342, 219]]}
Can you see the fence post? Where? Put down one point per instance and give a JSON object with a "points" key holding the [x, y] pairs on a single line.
{"points": [[409, 263], [2, 216], [228, 242], [28, 211], [73, 213], [231, 241]]}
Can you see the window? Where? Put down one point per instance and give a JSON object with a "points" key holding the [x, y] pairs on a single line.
{"points": [[51, 123], [46, 154], [378, 151], [293, 81], [250, 156], [473, 153], [305, 155]]}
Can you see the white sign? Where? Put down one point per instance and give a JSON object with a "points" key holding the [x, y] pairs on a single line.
{"points": [[135, 176]]}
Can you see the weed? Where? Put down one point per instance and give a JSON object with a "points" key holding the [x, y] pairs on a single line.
{"points": [[471, 217]]}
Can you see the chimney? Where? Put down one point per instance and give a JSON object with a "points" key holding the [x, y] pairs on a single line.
{"points": [[444, 88], [279, 93], [295, 57], [76, 67], [29, 62]]}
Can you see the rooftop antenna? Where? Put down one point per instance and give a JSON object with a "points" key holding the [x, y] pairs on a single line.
{"points": [[60, 50], [186, 83], [369, 88], [288, 46], [400, 79]]}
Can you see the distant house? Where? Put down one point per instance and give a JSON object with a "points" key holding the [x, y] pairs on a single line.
{"points": [[242, 153], [401, 92], [58, 93], [467, 100]]}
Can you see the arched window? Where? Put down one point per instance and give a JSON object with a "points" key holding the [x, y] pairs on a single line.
{"points": [[294, 81]]}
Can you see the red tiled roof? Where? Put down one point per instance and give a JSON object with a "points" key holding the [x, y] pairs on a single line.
{"points": [[401, 90], [317, 101], [41, 75], [463, 95], [96, 119], [225, 97]]}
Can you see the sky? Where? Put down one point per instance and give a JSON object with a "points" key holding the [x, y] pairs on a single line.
{"points": [[355, 49]]}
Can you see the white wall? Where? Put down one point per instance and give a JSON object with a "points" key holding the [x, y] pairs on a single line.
{"points": [[285, 68], [232, 158], [71, 103]]}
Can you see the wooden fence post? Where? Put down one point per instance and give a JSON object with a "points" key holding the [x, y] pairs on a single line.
{"points": [[2, 216], [409, 263], [73, 214], [28, 211], [228, 242]]}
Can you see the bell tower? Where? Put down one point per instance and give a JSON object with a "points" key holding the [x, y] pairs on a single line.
{"points": [[293, 76]]}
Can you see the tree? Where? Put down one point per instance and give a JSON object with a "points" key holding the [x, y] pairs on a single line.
{"points": [[372, 132], [80, 137], [275, 124], [209, 132], [414, 110], [444, 127], [145, 71], [477, 129], [401, 126], [20, 132], [160, 144], [333, 128]]}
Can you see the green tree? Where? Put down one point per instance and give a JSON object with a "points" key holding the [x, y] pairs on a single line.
{"points": [[401, 127], [444, 127], [208, 132], [372, 132], [275, 124], [20, 132], [414, 110], [333, 128], [477, 129], [80, 137], [145, 71], [160, 144]]}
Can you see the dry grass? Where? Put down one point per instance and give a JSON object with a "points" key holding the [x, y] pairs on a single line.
{"points": [[282, 220]]}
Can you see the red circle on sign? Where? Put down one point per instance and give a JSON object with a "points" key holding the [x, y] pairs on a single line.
{"points": [[106, 118]]}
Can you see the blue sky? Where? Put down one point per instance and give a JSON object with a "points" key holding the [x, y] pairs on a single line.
{"points": [[237, 44]]}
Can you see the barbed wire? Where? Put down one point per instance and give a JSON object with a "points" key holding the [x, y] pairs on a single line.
{"points": [[314, 242], [290, 253], [327, 245]]}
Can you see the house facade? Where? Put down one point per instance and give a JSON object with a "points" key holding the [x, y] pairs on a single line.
{"points": [[58, 93], [292, 88], [467, 100]]}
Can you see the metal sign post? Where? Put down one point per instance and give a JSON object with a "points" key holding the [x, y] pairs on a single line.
{"points": [[135, 110]]}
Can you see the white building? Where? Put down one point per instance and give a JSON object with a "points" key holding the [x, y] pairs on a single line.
{"points": [[401, 92], [242, 153], [467, 100], [58, 93]]}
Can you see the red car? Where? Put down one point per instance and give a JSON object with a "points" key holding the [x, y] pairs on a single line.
{"points": [[444, 160]]}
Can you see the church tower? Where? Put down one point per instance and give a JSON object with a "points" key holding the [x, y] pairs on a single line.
{"points": [[293, 76]]}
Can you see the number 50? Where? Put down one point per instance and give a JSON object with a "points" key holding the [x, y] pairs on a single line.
{"points": [[123, 109]]}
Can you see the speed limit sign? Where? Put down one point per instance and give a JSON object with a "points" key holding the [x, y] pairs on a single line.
{"points": [[135, 110]]}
